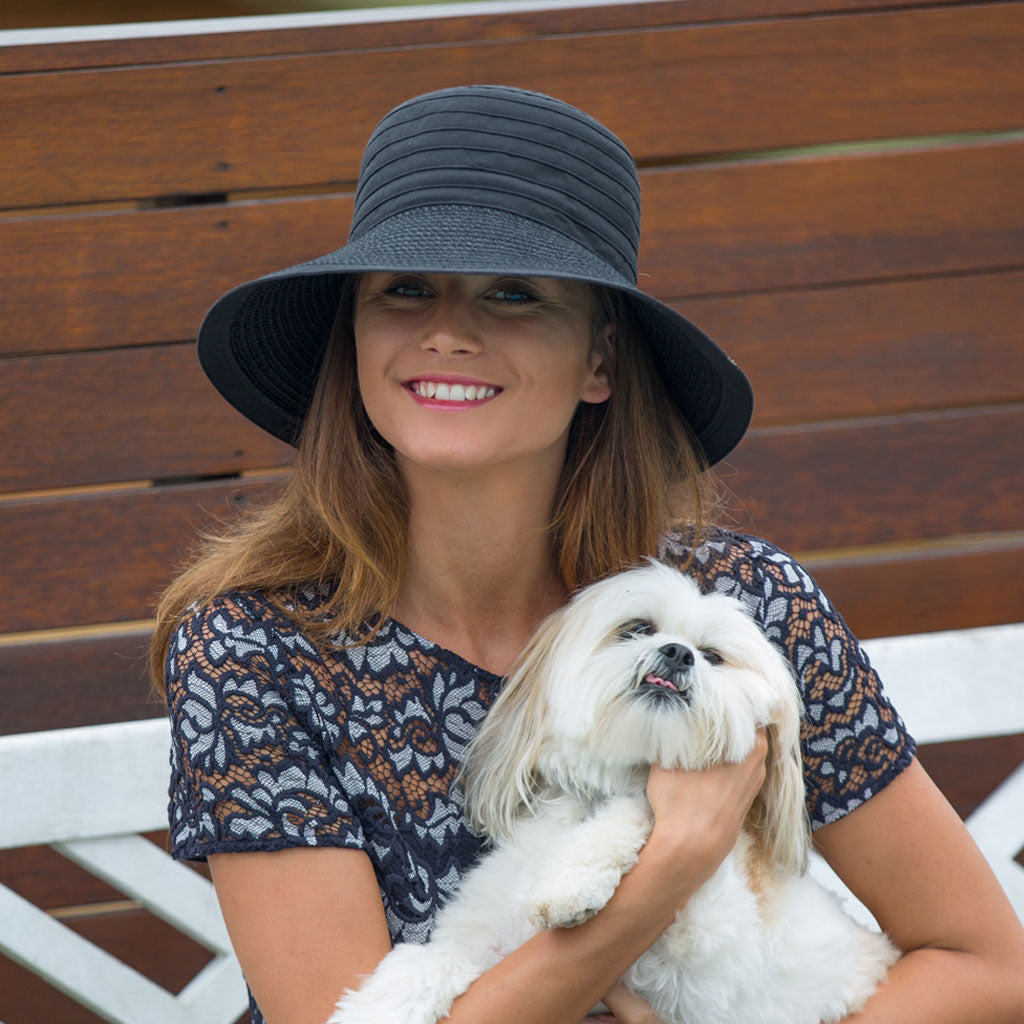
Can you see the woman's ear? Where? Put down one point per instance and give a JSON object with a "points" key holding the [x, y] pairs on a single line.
{"points": [[599, 385]]}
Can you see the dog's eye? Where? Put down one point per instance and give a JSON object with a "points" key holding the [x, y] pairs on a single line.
{"points": [[711, 656], [639, 627]]}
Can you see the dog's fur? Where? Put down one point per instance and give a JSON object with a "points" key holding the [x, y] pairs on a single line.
{"points": [[639, 668]]}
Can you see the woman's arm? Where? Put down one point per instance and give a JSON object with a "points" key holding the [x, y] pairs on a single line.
{"points": [[306, 924], [907, 856]]}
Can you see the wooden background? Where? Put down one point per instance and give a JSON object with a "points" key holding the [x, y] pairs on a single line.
{"points": [[831, 189]]}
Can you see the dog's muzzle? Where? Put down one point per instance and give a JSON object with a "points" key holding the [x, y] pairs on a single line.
{"points": [[671, 675]]}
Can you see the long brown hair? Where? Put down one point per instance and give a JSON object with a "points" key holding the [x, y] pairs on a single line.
{"points": [[632, 471]]}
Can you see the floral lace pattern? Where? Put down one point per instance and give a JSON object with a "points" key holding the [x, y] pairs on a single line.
{"points": [[279, 743]]}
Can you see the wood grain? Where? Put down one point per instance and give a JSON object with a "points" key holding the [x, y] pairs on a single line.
{"points": [[917, 590], [369, 31], [886, 480], [839, 485], [58, 684], [148, 412], [119, 415], [77, 559], [113, 279], [219, 126]]}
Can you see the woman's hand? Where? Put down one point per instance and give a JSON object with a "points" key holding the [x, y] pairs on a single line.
{"points": [[698, 814], [626, 1007]]}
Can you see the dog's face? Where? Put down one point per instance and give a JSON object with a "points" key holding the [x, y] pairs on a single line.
{"points": [[638, 668]]}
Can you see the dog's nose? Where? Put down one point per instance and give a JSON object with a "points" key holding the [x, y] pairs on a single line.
{"points": [[679, 656]]}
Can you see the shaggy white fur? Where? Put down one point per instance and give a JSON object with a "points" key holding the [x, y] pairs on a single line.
{"points": [[639, 668]]}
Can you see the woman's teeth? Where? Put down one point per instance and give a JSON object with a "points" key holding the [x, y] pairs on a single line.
{"points": [[452, 392]]}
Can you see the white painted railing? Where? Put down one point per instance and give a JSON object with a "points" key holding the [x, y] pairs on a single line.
{"points": [[89, 792], [960, 685]]}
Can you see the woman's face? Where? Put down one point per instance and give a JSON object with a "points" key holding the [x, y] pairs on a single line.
{"points": [[466, 372]]}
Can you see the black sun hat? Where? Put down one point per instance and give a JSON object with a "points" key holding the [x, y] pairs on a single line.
{"points": [[481, 179]]}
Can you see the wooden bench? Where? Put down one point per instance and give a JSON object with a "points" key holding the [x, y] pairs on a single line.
{"points": [[90, 791]]}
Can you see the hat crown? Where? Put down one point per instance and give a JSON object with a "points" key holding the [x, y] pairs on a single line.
{"points": [[508, 149]]}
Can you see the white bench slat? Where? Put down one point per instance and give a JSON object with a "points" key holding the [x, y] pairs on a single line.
{"points": [[95, 780], [957, 685], [171, 891], [213, 995], [96, 979]]}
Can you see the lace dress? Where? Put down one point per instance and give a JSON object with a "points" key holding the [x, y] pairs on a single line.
{"points": [[280, 743]]}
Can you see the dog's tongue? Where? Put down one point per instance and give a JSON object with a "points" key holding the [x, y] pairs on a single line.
{"points": [[658, 681]]}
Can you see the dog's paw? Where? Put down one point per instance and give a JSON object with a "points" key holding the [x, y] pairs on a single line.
{"points": [[564, 899]]}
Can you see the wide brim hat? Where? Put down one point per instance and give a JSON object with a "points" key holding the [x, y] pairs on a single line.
{"points": [[478, 179]]}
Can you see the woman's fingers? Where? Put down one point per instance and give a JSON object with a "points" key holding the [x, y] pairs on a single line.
{"points": [[627, 1008]]}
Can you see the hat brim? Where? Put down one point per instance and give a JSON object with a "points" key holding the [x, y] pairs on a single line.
{"points": [[262, 343]]}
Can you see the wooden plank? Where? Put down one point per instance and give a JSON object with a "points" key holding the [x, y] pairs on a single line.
{"points": [[874, 349], [62, 683], [807, 488], [884, 480], [122, 549], [968, 770], [372, 28], [118, 415], [213, 127], [954, 587], [142, 413], [110, 279]]}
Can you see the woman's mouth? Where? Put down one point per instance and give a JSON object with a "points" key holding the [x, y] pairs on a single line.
{"points": [[455, 393]]}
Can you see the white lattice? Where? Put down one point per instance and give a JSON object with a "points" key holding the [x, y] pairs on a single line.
{"points": [[88, 792]]}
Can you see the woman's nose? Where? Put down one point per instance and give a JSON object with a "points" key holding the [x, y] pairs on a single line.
{"points": [[452, 329]]}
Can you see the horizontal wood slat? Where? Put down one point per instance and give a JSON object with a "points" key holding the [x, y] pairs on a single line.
{"points": [[363, 29], [56, 684], [221, 126], [921, 591], [874, 349], [63, 683], [856, 483], [101, 280], [120, 415], [881, 481], [141, 413], [116, 552]]}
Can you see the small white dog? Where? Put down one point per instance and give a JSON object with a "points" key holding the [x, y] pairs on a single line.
{"points": [[639, 668]]}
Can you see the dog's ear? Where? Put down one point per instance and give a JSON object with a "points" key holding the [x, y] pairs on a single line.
{"points": [[499, 773], [779, 815]]}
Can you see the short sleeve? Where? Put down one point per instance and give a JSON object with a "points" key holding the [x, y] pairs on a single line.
{"points": [[853, 742], [250, 764]]}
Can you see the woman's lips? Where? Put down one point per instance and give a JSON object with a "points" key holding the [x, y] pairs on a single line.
{"points": [[448, 393]]}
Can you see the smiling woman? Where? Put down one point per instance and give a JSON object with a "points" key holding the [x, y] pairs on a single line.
{"points": [[490, 415]]}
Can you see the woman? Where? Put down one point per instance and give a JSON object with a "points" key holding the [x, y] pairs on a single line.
{"points": [[489, 414]]}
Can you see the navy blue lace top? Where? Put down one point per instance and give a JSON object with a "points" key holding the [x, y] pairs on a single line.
{"points": [[280, 743]]}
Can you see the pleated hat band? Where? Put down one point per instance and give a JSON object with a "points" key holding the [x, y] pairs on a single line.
{"points": [[501, 148]]}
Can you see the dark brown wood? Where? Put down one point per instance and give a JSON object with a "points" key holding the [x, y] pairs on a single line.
{"points": [[882, 481], [76, 560], [841, 485], [102, 280], [214, 127], [56, 684], [874, 349], [968, 770], [64, 683], [368, 32], [142, 413], [120, 415], [917, 590]]}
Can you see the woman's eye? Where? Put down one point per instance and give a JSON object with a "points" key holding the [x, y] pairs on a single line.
{"points": [[512, 296], [407, 290], [712, 657], [638, 628]]}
